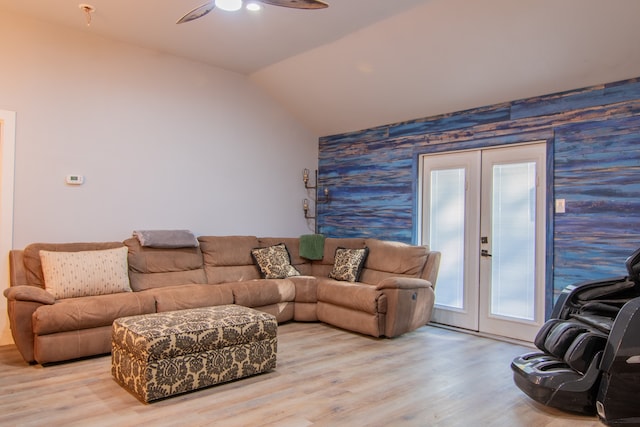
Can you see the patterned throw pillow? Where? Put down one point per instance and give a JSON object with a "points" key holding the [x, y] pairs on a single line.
{"points": [[85, 273], [274, 262], [349, 264]]}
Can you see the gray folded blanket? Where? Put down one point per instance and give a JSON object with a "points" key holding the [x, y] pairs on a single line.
{"points": [[166, 238]]}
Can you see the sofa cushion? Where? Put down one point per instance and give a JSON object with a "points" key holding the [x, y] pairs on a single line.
{"points": [[160, 267], [351, 320], [227, 250], [348, 264], [306, 288], [74, 314], [396, 257], [392, 259], [85, 273], [228, 258], [182, 297], [274, 262], [356, 296], [262, 292]]}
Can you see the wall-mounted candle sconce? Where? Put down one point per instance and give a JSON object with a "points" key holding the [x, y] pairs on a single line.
{"points": [[321, 197]]}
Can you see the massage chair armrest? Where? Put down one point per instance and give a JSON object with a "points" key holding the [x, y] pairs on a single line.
{"points": [[623, 347], [403, 283], [29, 294]]}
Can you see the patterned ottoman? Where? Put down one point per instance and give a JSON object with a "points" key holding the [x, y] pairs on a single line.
{"points": [[163, 354]]}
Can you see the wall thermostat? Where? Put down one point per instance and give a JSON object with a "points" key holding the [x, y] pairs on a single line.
{"points": [[74, 179]]}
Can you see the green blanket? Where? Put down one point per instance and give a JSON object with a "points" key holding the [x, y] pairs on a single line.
{"points": [[311, 246]]}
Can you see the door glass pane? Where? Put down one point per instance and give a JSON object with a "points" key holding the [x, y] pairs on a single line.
{"points": [[513, 247], [446, 233]]}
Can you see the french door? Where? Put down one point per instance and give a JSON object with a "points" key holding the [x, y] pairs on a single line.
{"points": [[485, 211]]}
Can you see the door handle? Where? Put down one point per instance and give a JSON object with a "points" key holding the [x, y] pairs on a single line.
{"points": [[485, 252]]}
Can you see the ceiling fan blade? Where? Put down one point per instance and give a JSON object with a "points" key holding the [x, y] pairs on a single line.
{"points": [[198, 12], [297, 4]]}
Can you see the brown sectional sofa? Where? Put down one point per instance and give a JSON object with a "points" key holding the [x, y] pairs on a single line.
{"points": [[395, 293]]}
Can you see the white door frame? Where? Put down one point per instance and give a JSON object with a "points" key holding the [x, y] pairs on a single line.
{"points": [[512, 327], [7, 163], [466, 316], [545, 226]]}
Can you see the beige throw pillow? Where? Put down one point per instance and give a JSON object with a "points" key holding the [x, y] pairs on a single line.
{"points": [[348, 264], [274, 262], [85, 273]]}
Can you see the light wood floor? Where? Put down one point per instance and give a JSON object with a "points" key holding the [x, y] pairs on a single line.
{"points": [[325, 377]]}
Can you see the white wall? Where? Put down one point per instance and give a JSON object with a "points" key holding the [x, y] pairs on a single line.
{"points": [[162, 142]]}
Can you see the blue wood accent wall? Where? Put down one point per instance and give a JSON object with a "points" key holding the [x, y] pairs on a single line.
{"points": [[594, 136]]}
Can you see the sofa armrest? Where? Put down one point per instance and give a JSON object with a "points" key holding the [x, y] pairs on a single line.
{"points": [[29, 293], [409, 304], [22, 302], [403, 283]]}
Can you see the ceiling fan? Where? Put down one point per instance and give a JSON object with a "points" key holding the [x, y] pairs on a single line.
{"points": [[202, 10]]}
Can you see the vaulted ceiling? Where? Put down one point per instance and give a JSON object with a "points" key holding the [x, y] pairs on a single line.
{"points": [[364, 63]]}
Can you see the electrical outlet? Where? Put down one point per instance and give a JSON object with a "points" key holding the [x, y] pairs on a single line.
{"points": [[560, 206]]}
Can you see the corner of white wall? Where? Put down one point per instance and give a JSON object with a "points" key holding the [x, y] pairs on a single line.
{"points": [[7, 157]]}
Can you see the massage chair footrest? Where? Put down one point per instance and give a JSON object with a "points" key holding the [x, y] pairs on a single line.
{"points": [[550, 381]]}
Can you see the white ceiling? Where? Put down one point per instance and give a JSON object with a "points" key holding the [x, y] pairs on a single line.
{"points": [[364, 63]]}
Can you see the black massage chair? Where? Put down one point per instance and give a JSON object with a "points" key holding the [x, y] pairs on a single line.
{"points": [[589, 358]]}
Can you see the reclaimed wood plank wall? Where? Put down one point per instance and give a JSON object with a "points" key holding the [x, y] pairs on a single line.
{"points": [[594, 140]]}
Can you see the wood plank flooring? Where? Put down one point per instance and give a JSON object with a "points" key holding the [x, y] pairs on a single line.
{"points": [[325, 377]]}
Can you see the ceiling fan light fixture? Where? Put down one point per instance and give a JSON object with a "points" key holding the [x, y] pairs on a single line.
{"points": [[229, 5], [254, 6]]}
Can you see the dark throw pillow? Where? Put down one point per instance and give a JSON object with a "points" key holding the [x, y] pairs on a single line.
{"points": [[274, 262], [348, 264]]}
